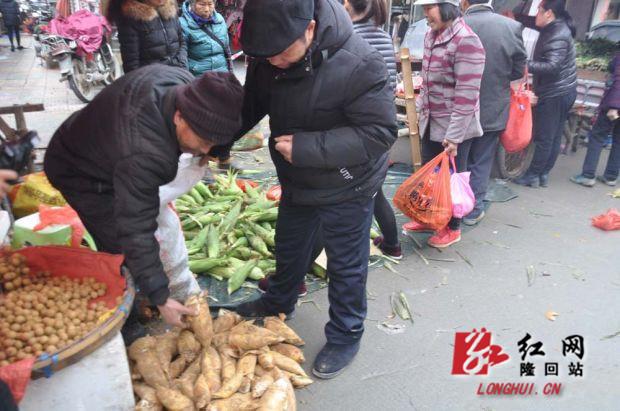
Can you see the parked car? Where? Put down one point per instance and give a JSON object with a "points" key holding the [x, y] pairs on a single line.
{"points": [[608, 30]]}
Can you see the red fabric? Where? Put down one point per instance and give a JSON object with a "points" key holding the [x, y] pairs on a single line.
{"points": [[86, 28], [518, 133], [609, 221], [62, 215], [425, 196], [78, 263], [17, 377], [72, 263]]}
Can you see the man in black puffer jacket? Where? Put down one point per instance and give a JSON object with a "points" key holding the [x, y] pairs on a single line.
{"points": [[148, 32], [555, 84], [332, 119], [110, 158]]}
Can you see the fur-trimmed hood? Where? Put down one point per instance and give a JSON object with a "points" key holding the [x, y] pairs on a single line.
{"points": [[138, 10]]}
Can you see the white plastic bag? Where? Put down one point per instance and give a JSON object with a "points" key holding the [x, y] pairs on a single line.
{"points": [[169, 234]]}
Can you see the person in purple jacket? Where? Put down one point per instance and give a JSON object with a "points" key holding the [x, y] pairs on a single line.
{"points": [[606, 123]]}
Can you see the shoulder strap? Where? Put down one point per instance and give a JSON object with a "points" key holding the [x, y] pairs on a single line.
{"points": [[222, 45]]}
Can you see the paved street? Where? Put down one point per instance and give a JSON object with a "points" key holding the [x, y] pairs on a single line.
{"points": [[483, 282]]}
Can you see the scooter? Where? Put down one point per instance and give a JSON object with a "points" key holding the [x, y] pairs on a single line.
{"points": [[83, 72]]}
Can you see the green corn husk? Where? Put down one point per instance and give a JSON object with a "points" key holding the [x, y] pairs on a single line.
{"points": [[256, 274], [213, 242], [239, 276], [201, 266]]}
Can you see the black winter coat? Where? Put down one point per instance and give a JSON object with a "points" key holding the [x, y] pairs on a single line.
{"points": [[10, 12], [339, 106], [148, 35], [554, 63], [382, 42], [124, 146]]}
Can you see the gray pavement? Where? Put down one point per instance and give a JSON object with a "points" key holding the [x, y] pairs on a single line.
{"points": [[577, 275]]}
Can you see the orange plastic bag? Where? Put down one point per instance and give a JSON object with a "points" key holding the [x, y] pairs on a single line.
{"points": [[609, 221], [518, 133], [425, 196], [62, 215]]}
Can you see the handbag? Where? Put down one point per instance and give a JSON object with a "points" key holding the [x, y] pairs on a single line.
{"points": [[518, 133]]}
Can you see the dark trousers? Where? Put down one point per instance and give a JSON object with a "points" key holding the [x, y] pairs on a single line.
{"points": [[7, 403], [479, 153], [13, 31], [345, 228], [431, 149], [550, 115], [384, 214], [596, 142]]}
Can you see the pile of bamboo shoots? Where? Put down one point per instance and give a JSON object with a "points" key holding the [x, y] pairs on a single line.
{"points": [[219, 365]]}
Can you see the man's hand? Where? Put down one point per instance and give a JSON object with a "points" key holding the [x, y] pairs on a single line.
{"points": [[284, 144], [450, 147], [612, 114], [6, 175], [172, 311]]}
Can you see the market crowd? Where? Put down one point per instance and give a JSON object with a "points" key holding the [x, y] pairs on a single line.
{"points": [[325, 74]]}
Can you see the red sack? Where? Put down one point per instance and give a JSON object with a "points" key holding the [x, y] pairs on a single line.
{"points": [[518, 133], [425, 196], [609, 221], [17, 377]]}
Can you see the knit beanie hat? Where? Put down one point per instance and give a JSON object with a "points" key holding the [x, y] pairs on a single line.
{"points": [[211, 105]]}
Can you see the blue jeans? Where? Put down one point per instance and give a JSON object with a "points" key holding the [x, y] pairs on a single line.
{"points": [[345, 228], [600, 131], [550, 115]]}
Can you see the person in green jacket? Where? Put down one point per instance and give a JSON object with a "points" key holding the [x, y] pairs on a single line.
{"points": [[206, 36]]}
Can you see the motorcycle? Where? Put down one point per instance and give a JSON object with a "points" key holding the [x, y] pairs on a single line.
{"points": [[83, 72]]}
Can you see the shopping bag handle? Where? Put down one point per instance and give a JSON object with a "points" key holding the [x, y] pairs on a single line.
{"points": [[524, 85]]}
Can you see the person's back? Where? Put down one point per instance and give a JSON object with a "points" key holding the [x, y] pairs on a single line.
{"points": [[502, 41], [382, 42]]}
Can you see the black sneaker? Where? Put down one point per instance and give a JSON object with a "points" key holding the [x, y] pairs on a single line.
{"points": [[12, 48], [257, 309], [333, 359], [604, 180], [393, 252], [544, 180], [20, 47]]}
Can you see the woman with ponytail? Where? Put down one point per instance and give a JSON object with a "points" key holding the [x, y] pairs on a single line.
{"points": [[555, 84]]}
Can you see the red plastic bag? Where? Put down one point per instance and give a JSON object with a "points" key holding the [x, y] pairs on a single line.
{"points": [[17, 377], [274, 193], [242, 182], [65, 216], [425, 196], [609, 221], [518, 133]]}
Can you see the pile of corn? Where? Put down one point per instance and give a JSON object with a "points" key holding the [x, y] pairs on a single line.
{"points": [[229, 229], [224, 364]]}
